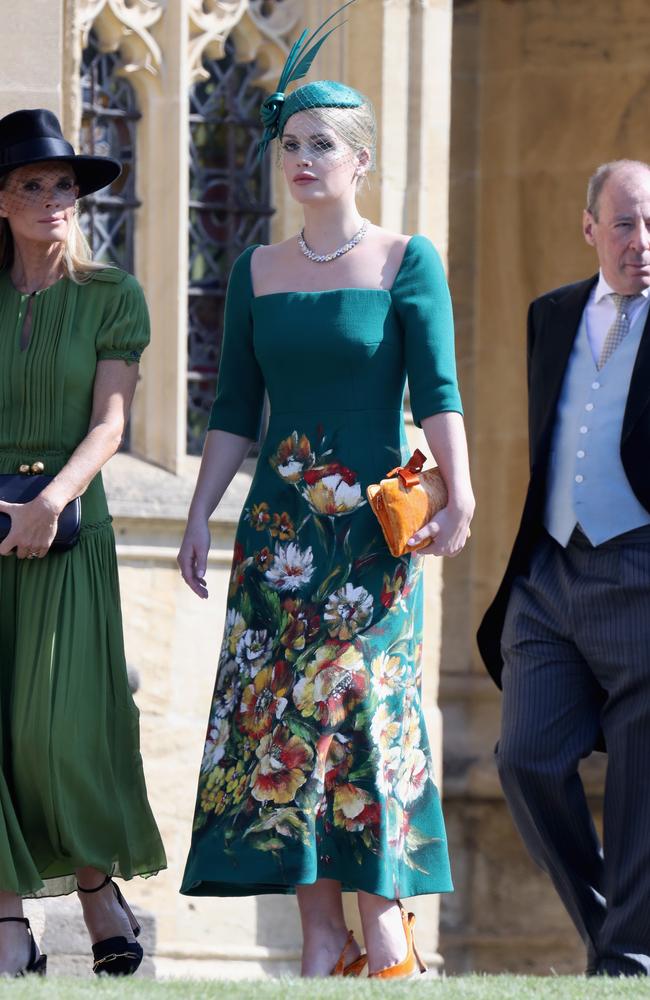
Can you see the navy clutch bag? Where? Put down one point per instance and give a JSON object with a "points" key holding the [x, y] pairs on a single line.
{"points": [[17, 487]]}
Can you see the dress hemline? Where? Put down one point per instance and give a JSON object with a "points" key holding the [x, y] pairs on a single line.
{"points": [[69, 882], [205, 887]]}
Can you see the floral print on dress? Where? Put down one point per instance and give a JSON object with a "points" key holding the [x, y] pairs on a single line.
{"points": [[316, 729], [332, 489]]}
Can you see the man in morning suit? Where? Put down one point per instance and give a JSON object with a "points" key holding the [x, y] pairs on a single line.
{"points": [[568, 634]]}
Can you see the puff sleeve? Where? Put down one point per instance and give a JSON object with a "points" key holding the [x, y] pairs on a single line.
{"points": [[240, 387], [124, 331], [421, 298]]}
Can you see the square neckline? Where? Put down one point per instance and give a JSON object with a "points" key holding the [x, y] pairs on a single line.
{"points": [[329, 291]]}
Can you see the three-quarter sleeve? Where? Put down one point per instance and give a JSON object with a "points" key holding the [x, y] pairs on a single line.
{"points": [[124, 331], [240, 387], [421, 298]]}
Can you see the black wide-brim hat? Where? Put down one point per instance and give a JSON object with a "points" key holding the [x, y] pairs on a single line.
{"points": [[33, 136]]}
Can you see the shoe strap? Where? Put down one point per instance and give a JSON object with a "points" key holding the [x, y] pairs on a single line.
{"points": [[340, 964], [32, 942], [97, 888], [356, 968], [135, 926], [411, 962]]}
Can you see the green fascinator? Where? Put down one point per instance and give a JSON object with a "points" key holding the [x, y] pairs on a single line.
{"points": [[277, 107], [320, 94]]}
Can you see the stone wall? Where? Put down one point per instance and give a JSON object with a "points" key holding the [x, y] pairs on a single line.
{"points": [[542, 92], [31, 63]]}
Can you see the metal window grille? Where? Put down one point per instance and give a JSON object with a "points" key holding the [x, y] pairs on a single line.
{"points": [[109, 120], [108, 128], [230, 208]]}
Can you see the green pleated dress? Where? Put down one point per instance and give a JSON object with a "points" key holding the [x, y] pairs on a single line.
{"points": [[316, 761], [72, 789]]}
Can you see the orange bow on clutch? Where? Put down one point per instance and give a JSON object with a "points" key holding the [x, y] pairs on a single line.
{"points": [[405, 501]]}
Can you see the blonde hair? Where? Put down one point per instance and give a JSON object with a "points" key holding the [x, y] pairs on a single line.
{"points": [[356, 126], [77, 260]]}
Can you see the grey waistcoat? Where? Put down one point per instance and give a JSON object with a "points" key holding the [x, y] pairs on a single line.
{"points": [[586, 482]]}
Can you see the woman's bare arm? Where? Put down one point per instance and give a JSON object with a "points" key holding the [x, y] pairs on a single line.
{"points": [[449, 529], [33, 524], [223, 454]]}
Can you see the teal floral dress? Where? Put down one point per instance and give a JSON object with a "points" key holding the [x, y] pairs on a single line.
{"points": [[316, 761]]}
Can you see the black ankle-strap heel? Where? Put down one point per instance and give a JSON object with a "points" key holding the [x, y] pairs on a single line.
{"points": [[116, 956], [37, 963]]}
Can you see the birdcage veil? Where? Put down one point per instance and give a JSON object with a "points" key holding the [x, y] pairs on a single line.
{"points": [[326, 120]]}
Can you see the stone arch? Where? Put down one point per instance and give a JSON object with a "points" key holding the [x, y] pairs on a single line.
{"points": [[127, 25]]}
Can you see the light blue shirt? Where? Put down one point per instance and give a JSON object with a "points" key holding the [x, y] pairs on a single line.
{"points": [[586, 482]]}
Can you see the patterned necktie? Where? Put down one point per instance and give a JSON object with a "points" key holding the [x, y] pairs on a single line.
{"points": [[619, 328]]}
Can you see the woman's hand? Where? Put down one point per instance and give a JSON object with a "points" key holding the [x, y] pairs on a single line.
{"points": [[192, 557], [223, 454], [448, 531], [34, 524], [33, 527]]}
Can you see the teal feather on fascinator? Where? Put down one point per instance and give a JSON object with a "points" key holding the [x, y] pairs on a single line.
{"points": [[301, 56]]}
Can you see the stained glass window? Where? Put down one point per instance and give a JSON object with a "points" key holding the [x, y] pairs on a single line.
{"points": [[229, 209]]}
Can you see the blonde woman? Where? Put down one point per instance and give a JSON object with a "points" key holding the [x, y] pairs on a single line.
{"points": [[317, 775], [73, 802]]}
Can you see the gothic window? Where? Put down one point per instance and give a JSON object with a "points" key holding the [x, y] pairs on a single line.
{"points": [[229, 209], [108, 128]]}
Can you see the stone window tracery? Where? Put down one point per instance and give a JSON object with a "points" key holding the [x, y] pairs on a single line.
{"points": [[108, 128], [229, 208]]}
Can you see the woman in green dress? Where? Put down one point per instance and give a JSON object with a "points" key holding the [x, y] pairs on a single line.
{"points": [[317, 776], [73, 802]]}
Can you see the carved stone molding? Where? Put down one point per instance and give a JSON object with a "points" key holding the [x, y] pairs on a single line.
{"points": [[266, 34], [276, 19], [261, 30], [211, 21], [119, 24], [124, 24]]}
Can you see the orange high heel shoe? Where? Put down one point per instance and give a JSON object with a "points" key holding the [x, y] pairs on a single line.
{"points": [[412, 965], [354, 968]]}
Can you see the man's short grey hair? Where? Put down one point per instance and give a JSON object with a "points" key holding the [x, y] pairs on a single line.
{"points": [[598, 179]]}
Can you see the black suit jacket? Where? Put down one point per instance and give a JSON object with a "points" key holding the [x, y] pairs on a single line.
{"points": [[553, 322]]}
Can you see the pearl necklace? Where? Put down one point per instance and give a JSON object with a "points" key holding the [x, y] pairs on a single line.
{"points": [[323, 258]]}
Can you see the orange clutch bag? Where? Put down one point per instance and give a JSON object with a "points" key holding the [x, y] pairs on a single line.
{"points": [[406, 500]]}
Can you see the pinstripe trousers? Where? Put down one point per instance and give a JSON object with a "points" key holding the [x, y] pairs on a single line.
{"points": [[576, 647]]}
